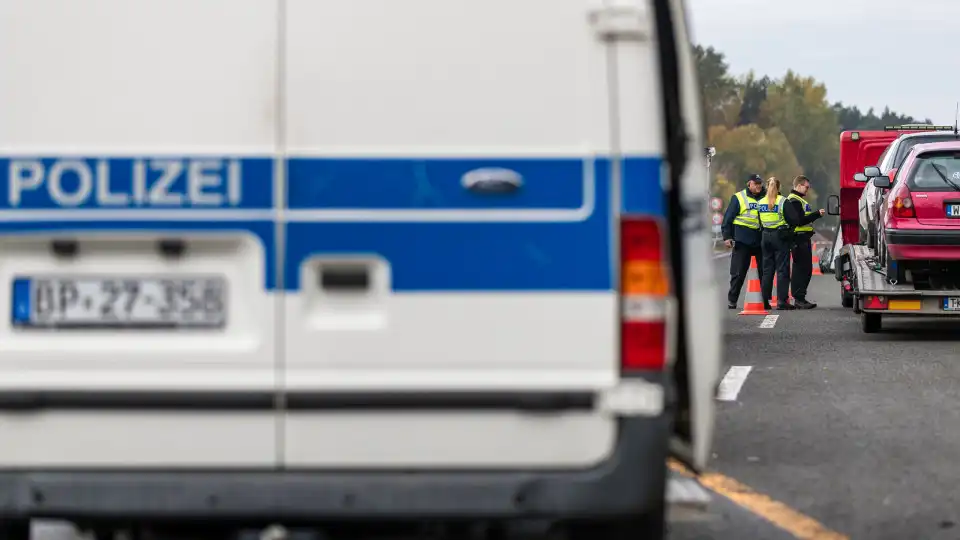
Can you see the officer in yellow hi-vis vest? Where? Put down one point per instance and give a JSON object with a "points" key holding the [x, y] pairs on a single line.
{"points": [[801, 216], [776, 242], [741, 231]]}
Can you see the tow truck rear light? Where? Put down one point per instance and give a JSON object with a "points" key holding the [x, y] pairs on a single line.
{"points": [[644, 290], [875, 302], [903, 208]]}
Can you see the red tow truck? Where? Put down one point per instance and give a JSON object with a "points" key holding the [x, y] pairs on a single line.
{"points": [[858, 149], [864, 285]]}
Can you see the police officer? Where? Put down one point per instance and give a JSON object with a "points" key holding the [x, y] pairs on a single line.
{"points": [[776, 241], [799, 214], [741, 230]]}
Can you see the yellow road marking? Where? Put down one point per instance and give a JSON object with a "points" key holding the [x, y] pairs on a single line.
{"points": [[781, 515]]}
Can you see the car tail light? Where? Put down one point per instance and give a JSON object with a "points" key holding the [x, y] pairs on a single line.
{"points": [[644, 290], [903, 207]]}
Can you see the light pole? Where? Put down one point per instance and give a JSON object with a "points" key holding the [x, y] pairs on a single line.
{"points": [[710, 151]]}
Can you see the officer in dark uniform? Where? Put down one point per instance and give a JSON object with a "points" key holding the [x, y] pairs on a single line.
{"points": [[801, 216], [741, 230]]}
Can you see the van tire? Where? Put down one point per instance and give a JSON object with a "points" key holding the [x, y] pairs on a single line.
{"points": [[15, 529], [846, 299], [652, 526]]}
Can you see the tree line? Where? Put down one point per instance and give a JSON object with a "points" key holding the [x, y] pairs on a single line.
{"points": [[776, 127]]}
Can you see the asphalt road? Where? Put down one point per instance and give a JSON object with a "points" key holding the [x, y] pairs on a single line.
{"points": [[860, 432]]}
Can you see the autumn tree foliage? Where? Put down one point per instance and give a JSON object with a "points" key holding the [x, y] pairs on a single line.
{"points": [[776, 127]]}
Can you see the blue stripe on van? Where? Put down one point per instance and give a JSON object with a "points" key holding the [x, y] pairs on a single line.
{"points": [[509, 252], [410, 184], [168, 182], [641, 191], [475, 256]]}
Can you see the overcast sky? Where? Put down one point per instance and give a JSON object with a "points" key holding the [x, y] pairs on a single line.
{"points": [[841, 43]]}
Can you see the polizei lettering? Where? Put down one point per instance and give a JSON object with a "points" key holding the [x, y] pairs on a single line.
{"points": [[124, 183]]}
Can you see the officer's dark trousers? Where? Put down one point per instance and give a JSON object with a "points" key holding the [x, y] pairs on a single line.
{"points": [[802, 268], [740, 268], [776, 261]]}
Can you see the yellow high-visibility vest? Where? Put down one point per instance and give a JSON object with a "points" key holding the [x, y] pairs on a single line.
{"points": [[772, 218], [748, 216], [806, 210]]}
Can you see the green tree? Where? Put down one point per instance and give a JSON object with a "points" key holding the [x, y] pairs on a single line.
{"points": [[750, 149], [752, 94], [798, 106], [854, 118], [777, 127], [720, 92]]}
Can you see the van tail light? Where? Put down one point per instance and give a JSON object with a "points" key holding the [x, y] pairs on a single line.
{"points": [[903, 207], [644, 291]]}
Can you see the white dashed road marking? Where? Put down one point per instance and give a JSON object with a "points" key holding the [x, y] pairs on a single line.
{"points": [[732, 382], [769, 321]]}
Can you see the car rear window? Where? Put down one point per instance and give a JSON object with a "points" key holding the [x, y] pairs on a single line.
{"points": [[908, 143], [936, 171]]}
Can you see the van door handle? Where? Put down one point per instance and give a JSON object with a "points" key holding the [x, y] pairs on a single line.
{"points": [[492, 180], [345, 278]]}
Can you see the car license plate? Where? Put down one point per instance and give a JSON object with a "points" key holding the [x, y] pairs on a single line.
{"points": [[119, 302], [951, 303], [953, 210]]}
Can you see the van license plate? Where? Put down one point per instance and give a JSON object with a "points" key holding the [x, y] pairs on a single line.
{"points": [[953, 210], [119, 302], [951, 303]]}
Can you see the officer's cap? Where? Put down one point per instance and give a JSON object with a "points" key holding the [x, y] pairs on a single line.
{"points": [[755, 178]]}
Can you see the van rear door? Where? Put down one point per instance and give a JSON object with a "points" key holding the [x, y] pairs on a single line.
{"points": [[136, 234], [449, 234]]}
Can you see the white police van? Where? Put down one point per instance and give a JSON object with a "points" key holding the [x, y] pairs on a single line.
{"points": [[305, 261]]}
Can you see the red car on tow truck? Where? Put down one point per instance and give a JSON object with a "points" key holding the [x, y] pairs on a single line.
{"points": [[916, 271], [920, 231]]}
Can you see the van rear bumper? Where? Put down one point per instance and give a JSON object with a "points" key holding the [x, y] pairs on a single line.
{"points": [[630, 481]]}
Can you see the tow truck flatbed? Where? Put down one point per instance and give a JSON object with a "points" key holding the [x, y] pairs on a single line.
{"points": [[867, 291]]}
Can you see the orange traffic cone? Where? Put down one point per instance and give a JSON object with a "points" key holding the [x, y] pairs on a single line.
{"points": [[774, 300], [816, 263], [753, 304]]}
